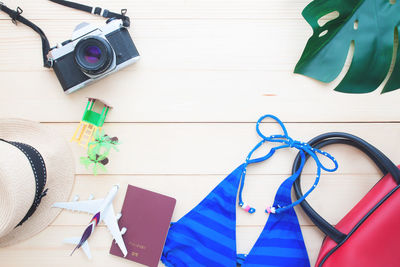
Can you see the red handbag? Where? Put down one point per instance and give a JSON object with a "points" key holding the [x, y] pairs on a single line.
{"points": [[369, 235]]}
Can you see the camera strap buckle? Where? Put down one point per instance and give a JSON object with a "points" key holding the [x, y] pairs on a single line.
{"points": [[105, 13], [50, 60], [15, 15], [100, 11]]}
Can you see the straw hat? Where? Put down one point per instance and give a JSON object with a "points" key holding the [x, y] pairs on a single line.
{"points": [[19, 175]]}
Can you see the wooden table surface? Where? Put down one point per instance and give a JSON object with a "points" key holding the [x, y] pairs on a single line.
{"points": [[186, 113]]}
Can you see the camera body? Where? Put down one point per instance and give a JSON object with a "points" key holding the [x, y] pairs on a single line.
{"points": [[92, 53]]}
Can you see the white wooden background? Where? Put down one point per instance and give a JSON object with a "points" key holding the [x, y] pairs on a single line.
{"points": [[186, 112]]}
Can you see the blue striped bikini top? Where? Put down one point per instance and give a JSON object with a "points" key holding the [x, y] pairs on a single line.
{"points": [[206, 236]]}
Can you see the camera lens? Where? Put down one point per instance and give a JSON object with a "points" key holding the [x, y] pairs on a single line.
{"points": [[94, 55]]}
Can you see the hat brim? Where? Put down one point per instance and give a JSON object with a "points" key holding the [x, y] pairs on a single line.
{"points": [[60, 169]]}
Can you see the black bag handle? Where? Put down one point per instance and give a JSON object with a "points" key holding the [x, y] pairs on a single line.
{"points": [[383, 163]]}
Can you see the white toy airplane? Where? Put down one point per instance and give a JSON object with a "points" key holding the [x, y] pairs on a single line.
{"points": [[103, 211]]}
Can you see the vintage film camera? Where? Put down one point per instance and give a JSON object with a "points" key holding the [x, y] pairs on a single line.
{"points": [[92, 53]]}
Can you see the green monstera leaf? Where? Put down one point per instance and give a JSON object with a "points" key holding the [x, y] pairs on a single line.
{"points": [[373, 25]]}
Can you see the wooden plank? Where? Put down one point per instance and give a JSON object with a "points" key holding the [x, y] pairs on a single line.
{"points": [[333, 198], [177, 44], [236, 78], [251, 9], [168, 97], [47, 247], [212, 148]]}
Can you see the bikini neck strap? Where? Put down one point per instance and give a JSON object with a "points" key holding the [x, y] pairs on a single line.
{"points": [[283, 141]]}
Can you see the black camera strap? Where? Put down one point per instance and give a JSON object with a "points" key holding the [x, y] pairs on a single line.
{"points": [[105, 13], [15, 16]]}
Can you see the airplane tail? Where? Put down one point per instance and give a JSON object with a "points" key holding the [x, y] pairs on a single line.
{"points": [[76, 241], [74, 250]]}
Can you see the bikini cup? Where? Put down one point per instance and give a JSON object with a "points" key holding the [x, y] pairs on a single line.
{"points": [[206, 236]]}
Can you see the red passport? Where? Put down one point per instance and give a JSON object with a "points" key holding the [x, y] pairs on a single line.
{"points": [[147, 217]]}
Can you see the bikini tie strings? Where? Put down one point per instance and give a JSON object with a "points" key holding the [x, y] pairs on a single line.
{"points": [[284, 141]]}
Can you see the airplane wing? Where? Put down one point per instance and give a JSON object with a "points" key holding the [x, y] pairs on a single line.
{"points": [[111, 221], [90, 206], [86, 249], [75, 241]]}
